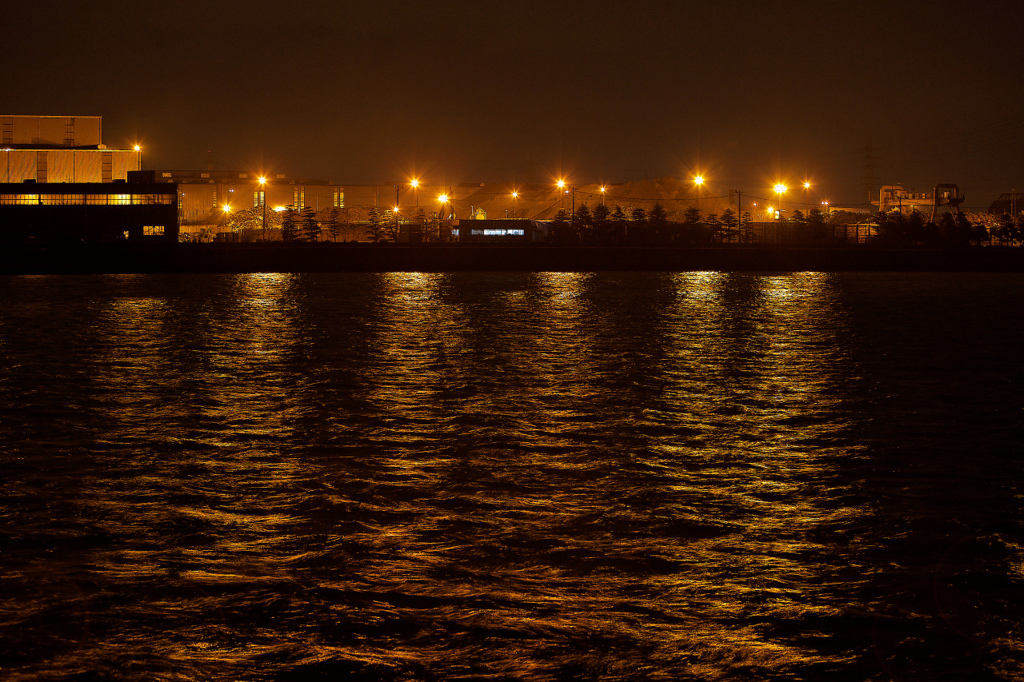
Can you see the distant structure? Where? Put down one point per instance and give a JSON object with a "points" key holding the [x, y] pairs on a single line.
{"points": [[1011, 203], [208, 197], [896, 198], [61, 149], [138, 210]]}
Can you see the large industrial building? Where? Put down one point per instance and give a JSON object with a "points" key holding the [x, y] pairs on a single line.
{"points": [[139, 210], [61, 184], [204, 195], [61, 149]]}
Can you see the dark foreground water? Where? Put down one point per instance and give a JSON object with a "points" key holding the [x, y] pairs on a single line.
{"points": [[540, 476]]}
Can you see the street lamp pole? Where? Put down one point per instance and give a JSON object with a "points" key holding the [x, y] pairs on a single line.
{"points": [[263, 200], [138, 153], [397, 189], [779, 189]]}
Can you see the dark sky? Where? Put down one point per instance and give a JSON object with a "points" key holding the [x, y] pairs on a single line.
{"points": [[453, 91]]}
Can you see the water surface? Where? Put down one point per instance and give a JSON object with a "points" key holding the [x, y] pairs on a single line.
{"points": [[539, 476]]}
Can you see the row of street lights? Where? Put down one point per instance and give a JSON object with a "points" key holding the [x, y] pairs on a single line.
{"points": [[698, 181]]}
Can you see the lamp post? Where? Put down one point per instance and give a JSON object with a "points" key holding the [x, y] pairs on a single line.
{"points": [[698, 182], [138, 153], [443, 199], [780, 189], [561, 185], [263, 200], [603, 188], [807, 195], [515, 196], [415, 183]]}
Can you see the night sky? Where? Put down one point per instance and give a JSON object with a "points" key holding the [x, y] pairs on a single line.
{"points": [[746, 92]]}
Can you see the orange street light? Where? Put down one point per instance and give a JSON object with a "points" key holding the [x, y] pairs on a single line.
{"points": [[780, 189], [138, 153], [263, 200]]}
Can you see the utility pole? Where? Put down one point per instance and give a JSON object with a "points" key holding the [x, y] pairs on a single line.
{"points": [[739, 213]]}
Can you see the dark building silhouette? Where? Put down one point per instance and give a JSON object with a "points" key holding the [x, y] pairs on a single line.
{"points": [[141, 211]]}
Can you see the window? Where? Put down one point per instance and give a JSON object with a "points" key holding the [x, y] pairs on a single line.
{"points": [[96, 199], [258, 198], [166, 175], [150, 199], [62, 199], [339, 198], [119, 200], [153, 230], [19, 199]]}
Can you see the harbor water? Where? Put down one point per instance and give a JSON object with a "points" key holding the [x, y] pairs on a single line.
{"points": [[616, 476]]}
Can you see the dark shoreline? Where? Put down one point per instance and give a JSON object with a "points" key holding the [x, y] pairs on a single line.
{"points": [[326, 257]]}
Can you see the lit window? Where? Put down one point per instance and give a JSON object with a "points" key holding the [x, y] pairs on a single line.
{"points": [[153, 230], [62, 199], [96, 199], [119, 200]]}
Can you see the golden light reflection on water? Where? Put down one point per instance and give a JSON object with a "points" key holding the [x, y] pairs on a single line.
{"points": [[196, 402]]}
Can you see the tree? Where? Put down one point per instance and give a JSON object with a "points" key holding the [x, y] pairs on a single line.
{"points": [[714, 227], [290, 225], [560, 229], [618, 215], [374, 226], [729, 223], [658, 219], [915, 228], [246, 219], [691, 216], [947, 229], [816, 228], [333, 224], [582, 216], [638, 215], [1005, 229], [310, 225], [390, 225], [979, 233]]}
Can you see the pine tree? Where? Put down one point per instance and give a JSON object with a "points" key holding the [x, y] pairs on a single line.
{"points": [[729, 222], [289, 225], [374, 230], [310, 225], [333, 224]]}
